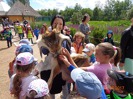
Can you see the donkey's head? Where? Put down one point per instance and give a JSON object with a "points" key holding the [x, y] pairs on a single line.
{"points": [[52, 40]]}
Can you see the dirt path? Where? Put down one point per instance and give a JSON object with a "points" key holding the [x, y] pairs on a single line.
{"points": [[7, 55]]}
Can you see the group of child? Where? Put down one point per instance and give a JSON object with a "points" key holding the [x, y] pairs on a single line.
{"points": [[93, 82], [19, 29], [24, 83], [104, 57]]}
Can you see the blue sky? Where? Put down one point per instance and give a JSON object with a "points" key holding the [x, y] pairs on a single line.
{"points": [[61, 4]]}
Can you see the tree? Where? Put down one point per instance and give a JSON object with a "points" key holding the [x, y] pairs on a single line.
{"points": [[77, 7], [76, 18], [116, 9], [88, 11], [96, 13], [130, 13], [67, 13], [11, 2]]}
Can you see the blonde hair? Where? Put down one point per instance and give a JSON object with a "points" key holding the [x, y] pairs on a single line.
{"points": [[79, 34], [107, 49]]}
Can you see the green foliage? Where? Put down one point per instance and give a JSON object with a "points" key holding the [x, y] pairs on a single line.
{"points": [[88, 11], [130, 13], [76, 18], [98, 35], [11, 2], [73, 31], [116, 10], [39, 24]]}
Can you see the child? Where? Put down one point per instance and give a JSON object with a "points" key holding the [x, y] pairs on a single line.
{"points": [[109, 37], [78, 43], [87, 84], [103, 52], [38, 89], [89, 50], [19, 82], [120, 84], [19, 49], [20, 31], [29, 33], [8, 37], [36, 32]]}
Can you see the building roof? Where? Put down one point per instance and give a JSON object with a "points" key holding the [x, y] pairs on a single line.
{"points": [[20, 9], [3, 8]]}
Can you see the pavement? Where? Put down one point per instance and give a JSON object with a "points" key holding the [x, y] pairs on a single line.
{"points": [[6, 56]]}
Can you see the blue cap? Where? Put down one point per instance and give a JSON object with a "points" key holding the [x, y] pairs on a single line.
{"points": [[24, 48], [25, 41], [88, 85], [110, 32]]}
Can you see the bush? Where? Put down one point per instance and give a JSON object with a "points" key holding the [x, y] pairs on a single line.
{"points": [[73, 31], [76, 18], [98, 35]]}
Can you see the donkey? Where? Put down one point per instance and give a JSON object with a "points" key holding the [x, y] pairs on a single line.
{"points": [[53, 42]]}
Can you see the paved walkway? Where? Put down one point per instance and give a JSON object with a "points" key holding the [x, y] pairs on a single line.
{"points": [[7, 55]]}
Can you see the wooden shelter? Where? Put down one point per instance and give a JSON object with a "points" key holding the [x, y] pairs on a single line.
{"points": [[19, 11]]}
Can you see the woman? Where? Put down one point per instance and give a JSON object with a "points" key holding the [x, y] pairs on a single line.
{"points": [[126, 46], [85, 28], [58, 83]]}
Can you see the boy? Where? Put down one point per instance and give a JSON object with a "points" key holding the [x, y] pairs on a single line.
{"points": [[121, 84], [89, 51], [8, 37], [109, 37]]}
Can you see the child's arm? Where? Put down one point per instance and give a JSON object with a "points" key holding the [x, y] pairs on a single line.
{"points": [[84, 68], [67, 63], [67, 54]]}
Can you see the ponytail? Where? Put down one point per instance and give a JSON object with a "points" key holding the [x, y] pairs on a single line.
{"points": [[117, 55], [17, 82]]}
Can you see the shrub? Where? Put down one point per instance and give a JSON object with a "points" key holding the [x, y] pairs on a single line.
{"points": [[98, 35], [73, 31]]}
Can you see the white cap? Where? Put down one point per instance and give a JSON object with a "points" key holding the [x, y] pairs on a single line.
{"points": [[89, 47], [40, 86]]}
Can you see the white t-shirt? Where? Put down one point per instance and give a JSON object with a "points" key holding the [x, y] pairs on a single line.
{"points": [[25, 83]]}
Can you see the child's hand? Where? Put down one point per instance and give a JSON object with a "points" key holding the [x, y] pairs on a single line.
{"points": [[65, 52], [64, 59]]}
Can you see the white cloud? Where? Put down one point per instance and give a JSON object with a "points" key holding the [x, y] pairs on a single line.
{"points": [[61, 4]]}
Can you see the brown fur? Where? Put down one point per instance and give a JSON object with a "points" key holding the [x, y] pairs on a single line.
{"points": [[53, 42]]}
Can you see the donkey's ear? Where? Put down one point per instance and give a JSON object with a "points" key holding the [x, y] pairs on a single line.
{"points": [[56, 29]]}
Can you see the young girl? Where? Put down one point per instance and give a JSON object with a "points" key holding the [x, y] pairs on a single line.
{"points": [[78, 43], [19, 82], [38, 89], [20, 30], [103, 52], [30, 34]]}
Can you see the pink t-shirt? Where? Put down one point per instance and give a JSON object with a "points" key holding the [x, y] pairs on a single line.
{"points": [[100, 70]]}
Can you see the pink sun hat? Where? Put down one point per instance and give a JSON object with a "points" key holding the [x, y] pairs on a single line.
{"points": [[24, 59]]}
